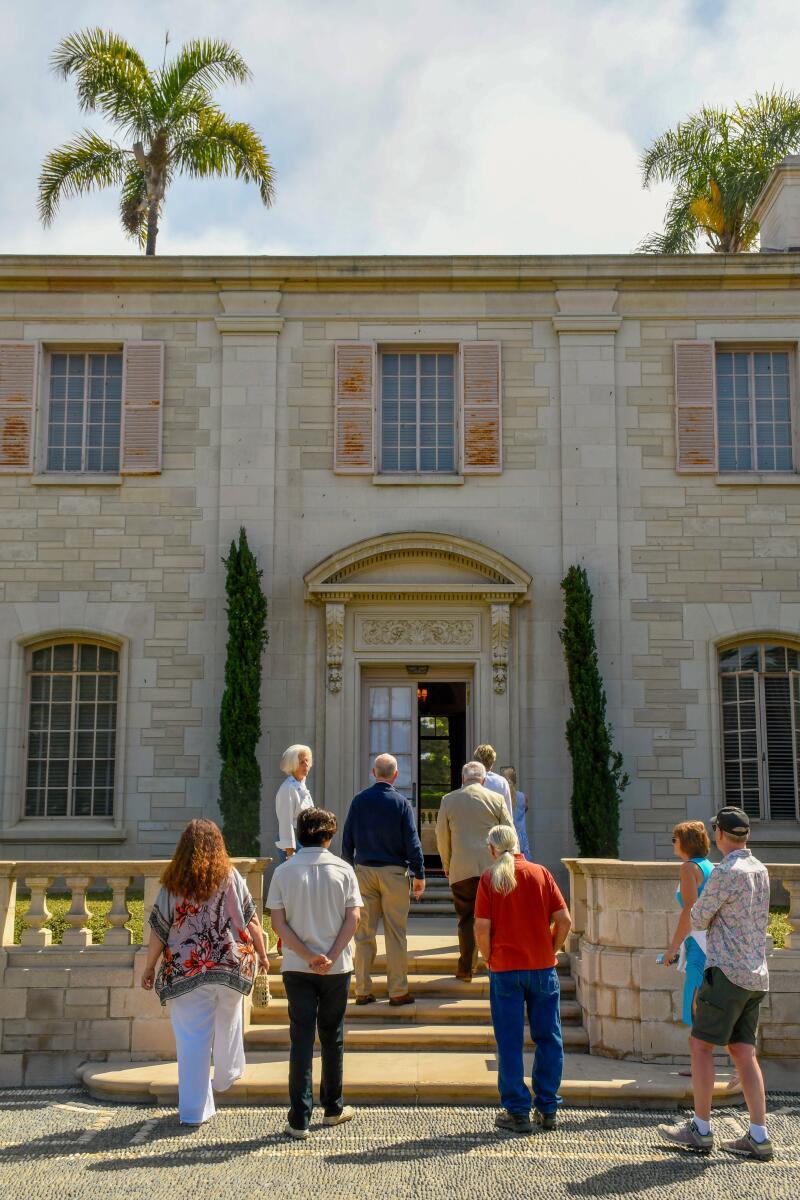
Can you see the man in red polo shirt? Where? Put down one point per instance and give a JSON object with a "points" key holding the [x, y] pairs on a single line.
{"points": [[521, 922]]}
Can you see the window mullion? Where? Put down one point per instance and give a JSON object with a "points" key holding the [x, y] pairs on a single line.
{"points": [[751, 387], [85, 410], [761, 730], [73, 719], [418, 362]]}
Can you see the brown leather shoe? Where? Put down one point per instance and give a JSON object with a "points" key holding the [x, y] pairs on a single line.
{"points": [[464, 978], [370, 999], [397, 1001]]}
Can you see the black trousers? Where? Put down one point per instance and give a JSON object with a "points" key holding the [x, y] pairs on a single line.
{"points": [[317, 1003], [464, 893]]}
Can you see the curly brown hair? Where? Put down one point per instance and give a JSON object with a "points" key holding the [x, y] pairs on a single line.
{"points": [[200, 862]]}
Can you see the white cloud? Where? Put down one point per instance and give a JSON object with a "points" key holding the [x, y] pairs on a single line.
{"points": [[408, 126]]}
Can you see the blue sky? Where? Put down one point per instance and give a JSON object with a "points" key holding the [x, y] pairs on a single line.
{"points": [[405, 126]]}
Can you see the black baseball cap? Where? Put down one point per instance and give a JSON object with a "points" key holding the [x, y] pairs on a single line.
{"points": [[732, 820]]}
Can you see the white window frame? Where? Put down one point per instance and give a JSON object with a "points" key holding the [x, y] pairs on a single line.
{"points": [[43, 431], [750, 348], [14, 825], [417, 349]]}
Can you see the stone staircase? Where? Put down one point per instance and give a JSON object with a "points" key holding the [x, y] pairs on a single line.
{"points": [[439, 1050], [437, 899]]}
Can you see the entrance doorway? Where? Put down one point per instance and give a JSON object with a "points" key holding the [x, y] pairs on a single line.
{"points": [[425, 724]]}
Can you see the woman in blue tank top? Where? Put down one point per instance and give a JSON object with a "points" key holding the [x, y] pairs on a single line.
{"points": [[690, 844]]}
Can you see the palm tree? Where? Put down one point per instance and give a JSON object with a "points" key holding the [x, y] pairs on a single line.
{"points": [[719, 161], [170, 118]]}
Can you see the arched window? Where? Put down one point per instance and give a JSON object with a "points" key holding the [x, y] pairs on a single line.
{"points": [[760, 693], [72, 729]]}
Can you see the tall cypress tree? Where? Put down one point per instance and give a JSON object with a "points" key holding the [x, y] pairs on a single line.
{"points": [[240, 712], [598, 779]]}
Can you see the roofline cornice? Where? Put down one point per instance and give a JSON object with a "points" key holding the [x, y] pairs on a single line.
{"points": [[403, 272]]}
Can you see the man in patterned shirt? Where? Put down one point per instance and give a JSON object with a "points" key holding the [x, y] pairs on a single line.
{"points": [[734, 908]]}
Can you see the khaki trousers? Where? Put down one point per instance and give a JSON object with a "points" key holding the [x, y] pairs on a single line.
{"points": [[384, 891]]}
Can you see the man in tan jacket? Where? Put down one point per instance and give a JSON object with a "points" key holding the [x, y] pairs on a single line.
{"points": [[465, 818]]}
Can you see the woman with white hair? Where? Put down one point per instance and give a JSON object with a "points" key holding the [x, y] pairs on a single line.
{"points": [[521, 922], [293, 796]]}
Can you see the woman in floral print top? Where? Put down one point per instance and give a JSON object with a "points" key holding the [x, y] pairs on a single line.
{"points": [[205, 930]]}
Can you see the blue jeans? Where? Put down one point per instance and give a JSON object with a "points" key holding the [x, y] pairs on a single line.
{"points": [[511, 993], [316, 1003]]}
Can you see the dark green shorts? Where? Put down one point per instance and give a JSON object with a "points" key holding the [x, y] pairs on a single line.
{"points": [[725, 1013]]}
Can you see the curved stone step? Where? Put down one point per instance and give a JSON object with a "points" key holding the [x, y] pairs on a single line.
{"points": [[432, 962], [411, 1078], [408, 1036], [429, 985], [428, 1010]]}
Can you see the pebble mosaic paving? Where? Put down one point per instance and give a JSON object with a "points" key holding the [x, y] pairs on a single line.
{"points": [[59, 1145]]}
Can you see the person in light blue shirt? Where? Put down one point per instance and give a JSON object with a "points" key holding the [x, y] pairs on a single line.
{"points": [[520, 812], [690, 844]]}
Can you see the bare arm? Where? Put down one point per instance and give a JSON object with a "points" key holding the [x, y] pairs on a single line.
{"points": [[483, 937], [688, 878], [257, 934], [155, 948], [352, 917], [562, 923]]}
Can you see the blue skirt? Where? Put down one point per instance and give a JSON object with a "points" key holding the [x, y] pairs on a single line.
{"points": [[695, 965]]}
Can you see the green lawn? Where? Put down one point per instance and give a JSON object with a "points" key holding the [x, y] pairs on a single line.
{"points": [[98, 905]]}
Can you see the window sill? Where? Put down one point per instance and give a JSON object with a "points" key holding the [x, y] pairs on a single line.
{"points": [[67, 480], [72, 831], [758, 478], [775, 833], [423, 480]]}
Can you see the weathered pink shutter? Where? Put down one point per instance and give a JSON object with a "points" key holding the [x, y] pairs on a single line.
{"points": [[142, 408], [481, 417], [695, 416], [354, 419], [17, 398]]}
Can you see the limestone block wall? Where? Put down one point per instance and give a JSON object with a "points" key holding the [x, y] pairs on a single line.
{"points": [[624, 914]]}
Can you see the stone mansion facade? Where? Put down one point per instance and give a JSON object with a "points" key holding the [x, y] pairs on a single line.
{"points": [[418, 449]]}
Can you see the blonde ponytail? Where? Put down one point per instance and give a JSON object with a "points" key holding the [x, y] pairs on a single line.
{"points": [[504, 840]]}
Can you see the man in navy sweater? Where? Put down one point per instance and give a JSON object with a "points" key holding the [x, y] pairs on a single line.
{"points": [[380, 840]]}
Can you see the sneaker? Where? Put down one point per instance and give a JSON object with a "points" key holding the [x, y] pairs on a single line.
{"points": [[514, 1122], [290, 1131], [545, 1121], [687, 1137], [748, 1147], [397, 1001], [347, 1114], [370, 999]]}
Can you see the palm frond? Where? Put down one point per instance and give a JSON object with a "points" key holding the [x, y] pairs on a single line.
{"points": [[110, 77], [133, 204], [201, 65], [87, 162], [222, 147]]}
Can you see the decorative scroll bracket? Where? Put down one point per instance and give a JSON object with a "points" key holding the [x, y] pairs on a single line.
{"points": [[334, 627], [500, 630]]}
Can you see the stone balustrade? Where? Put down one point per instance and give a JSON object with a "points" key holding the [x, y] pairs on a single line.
{"points": [[61, 1005], [624, 914]]}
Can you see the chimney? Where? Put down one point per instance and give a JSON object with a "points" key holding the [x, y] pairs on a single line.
{"points": [[777, 209]]}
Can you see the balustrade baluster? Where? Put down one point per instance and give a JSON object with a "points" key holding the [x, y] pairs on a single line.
{"points": [[78, 916], [793, 888], [38, 912], [118, 935]]}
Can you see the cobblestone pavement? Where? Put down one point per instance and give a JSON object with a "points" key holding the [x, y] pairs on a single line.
{"points": [[58, 1143]]}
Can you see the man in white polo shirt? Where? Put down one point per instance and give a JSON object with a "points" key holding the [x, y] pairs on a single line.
{"points": [[315, 906]]}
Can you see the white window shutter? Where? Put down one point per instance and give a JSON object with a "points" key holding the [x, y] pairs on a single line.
{"points": [[481, 409], [354, 404], [17, 400], [142, 408], [695, 414]]}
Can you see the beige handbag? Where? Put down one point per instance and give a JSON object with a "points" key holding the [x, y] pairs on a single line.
{"points": [[261, 992]]}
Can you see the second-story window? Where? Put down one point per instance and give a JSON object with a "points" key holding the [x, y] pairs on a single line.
{"points": [[754, 423], [417, 410], [84, 414]]}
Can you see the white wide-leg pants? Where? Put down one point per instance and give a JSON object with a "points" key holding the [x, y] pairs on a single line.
{"points": [[209, 1017]]}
